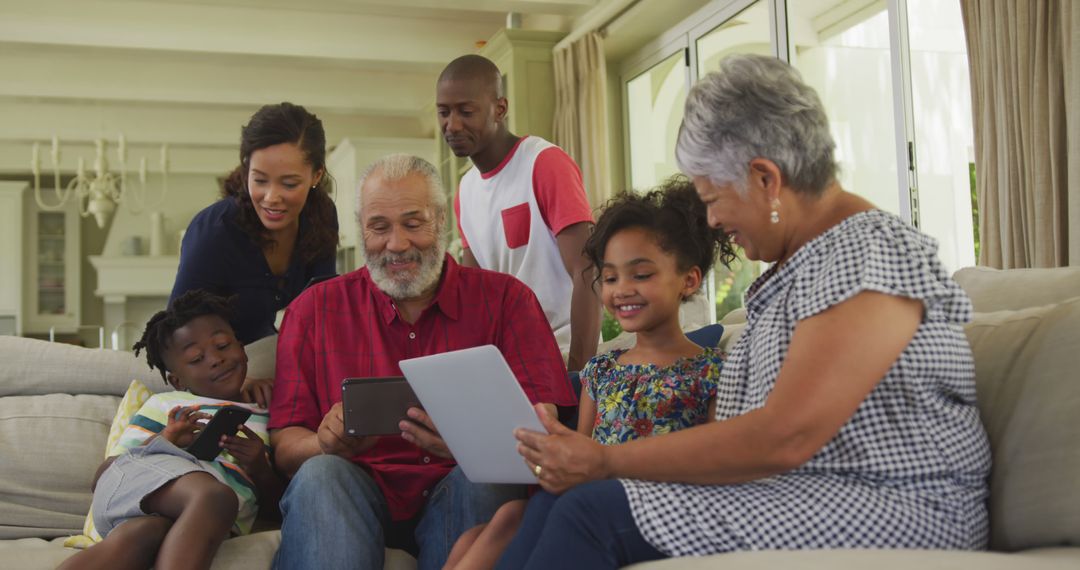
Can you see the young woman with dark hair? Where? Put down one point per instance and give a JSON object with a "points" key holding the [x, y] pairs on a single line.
{"points": [[274, 230]]}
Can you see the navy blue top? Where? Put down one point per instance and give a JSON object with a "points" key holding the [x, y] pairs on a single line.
{"points": [[218, 256]]}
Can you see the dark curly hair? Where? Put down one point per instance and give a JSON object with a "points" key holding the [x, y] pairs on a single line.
{"points": [[674, 214], [185, 308], [287, 123]]}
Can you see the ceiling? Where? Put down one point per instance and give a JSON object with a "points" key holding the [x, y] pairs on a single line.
{"points": [[190, 72]]}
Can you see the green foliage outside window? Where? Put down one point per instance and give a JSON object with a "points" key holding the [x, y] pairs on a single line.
{"points": [[731, 284], [609, 327], [974, 209]]}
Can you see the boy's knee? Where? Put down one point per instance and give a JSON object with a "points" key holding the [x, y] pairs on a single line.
{"points": [[149, 529], [222, 499], [143, 535]]}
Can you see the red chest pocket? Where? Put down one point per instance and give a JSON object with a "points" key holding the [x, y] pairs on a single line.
{"points": [[516, 221]]}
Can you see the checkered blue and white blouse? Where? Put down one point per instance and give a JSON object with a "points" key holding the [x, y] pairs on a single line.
{"points": [[908, 470]]}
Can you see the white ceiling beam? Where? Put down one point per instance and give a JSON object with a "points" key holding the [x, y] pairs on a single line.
{"points": [[554, 7], [489, 10], [147, 126], [424, 42], [15, 160], [130, 75]]}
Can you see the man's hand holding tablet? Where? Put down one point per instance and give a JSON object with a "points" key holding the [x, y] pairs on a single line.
{"points": [[420, 431], [334, 441]]}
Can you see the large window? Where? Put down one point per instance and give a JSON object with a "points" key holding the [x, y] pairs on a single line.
{"points": [[893, 77], [655, 100], [944, 142], [846, 58], [745, 32]]}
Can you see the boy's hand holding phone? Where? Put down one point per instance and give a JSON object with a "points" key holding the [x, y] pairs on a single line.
{"points": [[184, 425], [250, 451]]}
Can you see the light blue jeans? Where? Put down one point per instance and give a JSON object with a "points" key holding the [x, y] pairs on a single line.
{"points": [[335, 517]]}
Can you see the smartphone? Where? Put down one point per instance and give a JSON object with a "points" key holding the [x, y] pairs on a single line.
{"points": [[226, 421], [374, 406]]}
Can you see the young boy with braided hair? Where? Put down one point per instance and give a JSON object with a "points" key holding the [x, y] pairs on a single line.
{"points": [[155, 503]]}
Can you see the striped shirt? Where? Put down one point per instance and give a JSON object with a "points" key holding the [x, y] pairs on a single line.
{"points": [[152, 418]]}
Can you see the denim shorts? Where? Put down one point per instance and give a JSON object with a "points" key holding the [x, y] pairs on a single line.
{"points": [[134, 475]]}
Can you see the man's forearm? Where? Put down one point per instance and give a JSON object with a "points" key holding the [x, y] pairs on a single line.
{"points": [[584, 301], [584, 322], [292, 447]]}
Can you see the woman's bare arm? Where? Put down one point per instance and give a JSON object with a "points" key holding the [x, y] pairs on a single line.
{"points": [[835, 360]]}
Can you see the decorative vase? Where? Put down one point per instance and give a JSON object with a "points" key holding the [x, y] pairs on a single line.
{"points": [[157, 233]]}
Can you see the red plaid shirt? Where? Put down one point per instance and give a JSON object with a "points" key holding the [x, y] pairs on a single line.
{"points": [[348, 327]]}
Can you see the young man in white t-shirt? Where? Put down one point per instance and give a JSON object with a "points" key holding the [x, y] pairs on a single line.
{"points": [[522, 209]]}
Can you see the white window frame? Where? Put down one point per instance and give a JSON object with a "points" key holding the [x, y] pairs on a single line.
{"points": [[685, 34]]}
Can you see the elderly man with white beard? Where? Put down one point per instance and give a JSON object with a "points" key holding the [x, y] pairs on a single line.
{"points": [[349, 497]]}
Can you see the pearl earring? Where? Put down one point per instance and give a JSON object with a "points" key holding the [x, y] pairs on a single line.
{"points": [[774, 217]]}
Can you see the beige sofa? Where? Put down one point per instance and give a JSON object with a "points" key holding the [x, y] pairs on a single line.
{"points": [[56, 403]]}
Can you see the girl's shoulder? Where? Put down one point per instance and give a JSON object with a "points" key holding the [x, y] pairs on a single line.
{"points": [[708, 357], [706, 363], [602, 362]]}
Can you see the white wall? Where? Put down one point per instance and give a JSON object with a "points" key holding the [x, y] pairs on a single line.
{"points": [[188, 193], [348, 161], [12, 195]]}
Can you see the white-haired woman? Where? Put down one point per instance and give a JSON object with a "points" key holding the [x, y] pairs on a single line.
{"points": [[847, 408]]}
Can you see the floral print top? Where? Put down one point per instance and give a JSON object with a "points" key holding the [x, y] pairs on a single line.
{"points": [[639, 400]]}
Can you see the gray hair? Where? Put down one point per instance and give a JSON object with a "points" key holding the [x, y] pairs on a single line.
{"points": [[756, 107], [397, 166]]}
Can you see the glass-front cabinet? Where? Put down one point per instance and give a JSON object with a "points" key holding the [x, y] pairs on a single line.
{"points": [[52, 278]]}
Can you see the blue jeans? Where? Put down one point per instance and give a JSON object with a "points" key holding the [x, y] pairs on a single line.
{"points": [[335, 516], [589, 526]]}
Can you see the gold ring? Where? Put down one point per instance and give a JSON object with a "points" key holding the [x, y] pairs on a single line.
{"points": [[537, 470]]}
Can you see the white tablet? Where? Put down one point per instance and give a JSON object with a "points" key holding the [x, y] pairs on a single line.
{"points": [[476, 404]]}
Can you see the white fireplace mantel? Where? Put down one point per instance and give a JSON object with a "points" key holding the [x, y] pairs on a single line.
{"points": [[134, 276], [133, 288]]}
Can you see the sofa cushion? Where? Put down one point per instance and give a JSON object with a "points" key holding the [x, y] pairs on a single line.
{"points": [[1008, 290], [51, 446], [34, 367], [732, 333], [262, 357], [1058, 559], [1027, 369], [137, 394], [254, 551]]}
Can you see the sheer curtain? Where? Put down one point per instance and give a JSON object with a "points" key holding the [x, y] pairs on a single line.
{"points": [[580, 123], [1025, 82]]}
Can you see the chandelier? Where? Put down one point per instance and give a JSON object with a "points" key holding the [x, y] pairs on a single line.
{"points": [[99, 193]]}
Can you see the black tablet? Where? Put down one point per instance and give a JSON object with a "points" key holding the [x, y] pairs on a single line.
{"points": [[375, 406]]}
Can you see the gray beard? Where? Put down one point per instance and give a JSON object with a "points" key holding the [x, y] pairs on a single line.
{"points": [[413, 284]]}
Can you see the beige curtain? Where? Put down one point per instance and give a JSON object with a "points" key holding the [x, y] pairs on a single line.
{"points": [[1025, 87], [580, 123]]}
